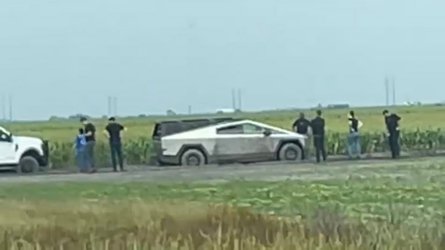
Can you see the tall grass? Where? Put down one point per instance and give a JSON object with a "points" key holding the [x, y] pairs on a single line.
{"points": [[421, 126], [133, 224], [138, 150]]}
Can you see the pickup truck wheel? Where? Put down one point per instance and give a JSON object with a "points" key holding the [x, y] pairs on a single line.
{"points": [[193, 157], [290, 152], [28, 164]]}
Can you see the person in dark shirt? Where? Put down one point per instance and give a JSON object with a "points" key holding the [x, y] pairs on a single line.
{"points": [[303, 126], [113, 132], [392, 126], [318, 132], [354, 147], [90, 137]]}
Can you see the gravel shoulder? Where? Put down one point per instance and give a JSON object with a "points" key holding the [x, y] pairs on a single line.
{"points": [[258, 172]]}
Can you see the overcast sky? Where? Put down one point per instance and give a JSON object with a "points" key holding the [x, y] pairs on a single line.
{"points": [[65, 57]]}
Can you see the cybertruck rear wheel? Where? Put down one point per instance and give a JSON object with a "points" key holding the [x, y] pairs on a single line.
{"points": [[193, 157]]}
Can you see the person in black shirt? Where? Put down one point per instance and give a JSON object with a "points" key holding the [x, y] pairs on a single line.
{"points": [[90, 137], [318, 131], [113, 132], [354, 147], [303, 126], [392, 126]]}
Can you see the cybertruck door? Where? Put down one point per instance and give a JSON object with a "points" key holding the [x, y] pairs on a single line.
{"points": [[236, 144]]}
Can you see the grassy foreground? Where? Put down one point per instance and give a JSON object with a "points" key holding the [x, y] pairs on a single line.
{"points": [[401, 207]]}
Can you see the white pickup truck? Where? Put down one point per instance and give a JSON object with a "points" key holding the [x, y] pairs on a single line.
{"points": [[21, 153]]}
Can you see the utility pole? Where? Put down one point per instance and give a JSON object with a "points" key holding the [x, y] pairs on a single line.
{"points": [[4, 108], [115, 106], [190, 109], [393, 92], [10, 108], [109, 106], [387, 90], [239, 100], [233, 100]]}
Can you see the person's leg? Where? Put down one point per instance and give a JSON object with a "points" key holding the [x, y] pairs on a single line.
{"points": [[310, 147], [87, 157], [317, 148], [113, 156], [92, 155], [323, 148], [120, 156], [391, 145], [83, 162], [397, 144], [78, 160], [350, 146], [358, 146]]}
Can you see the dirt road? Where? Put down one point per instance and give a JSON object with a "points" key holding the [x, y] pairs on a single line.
{"points": [[215, 174]]}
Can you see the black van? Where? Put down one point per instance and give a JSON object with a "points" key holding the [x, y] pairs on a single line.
{"points": [[165, 128]]}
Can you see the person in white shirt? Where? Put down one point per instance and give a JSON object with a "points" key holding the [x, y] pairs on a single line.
{"points": [[354, 147]]}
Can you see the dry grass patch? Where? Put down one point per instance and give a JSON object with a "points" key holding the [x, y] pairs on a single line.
{"points": [[134, 224]]}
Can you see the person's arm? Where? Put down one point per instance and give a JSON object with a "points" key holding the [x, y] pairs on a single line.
{"points": [[121, 130], [294, 126], [360, 124], [309, 129], [106, 132], [90, 128]]}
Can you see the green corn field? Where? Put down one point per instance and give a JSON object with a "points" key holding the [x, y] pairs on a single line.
{"points": [[421, 131]]}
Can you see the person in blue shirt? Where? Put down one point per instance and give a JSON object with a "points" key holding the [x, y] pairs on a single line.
{"points": [[80, 146]]}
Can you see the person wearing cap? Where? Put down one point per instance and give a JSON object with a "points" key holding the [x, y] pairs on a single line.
{"points": [[318, 132], [303, 126], [90, 137], [354, 147], [392, 126], [113, 132]]}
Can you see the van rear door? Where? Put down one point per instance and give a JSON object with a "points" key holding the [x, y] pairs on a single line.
{"points": [[156, 151]]}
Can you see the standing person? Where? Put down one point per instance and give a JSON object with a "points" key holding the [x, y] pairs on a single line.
{"points": [[113, 133], [354, 147], [80, 145], [303, 126], [392, 126], [318, 132], [90, 137]]}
